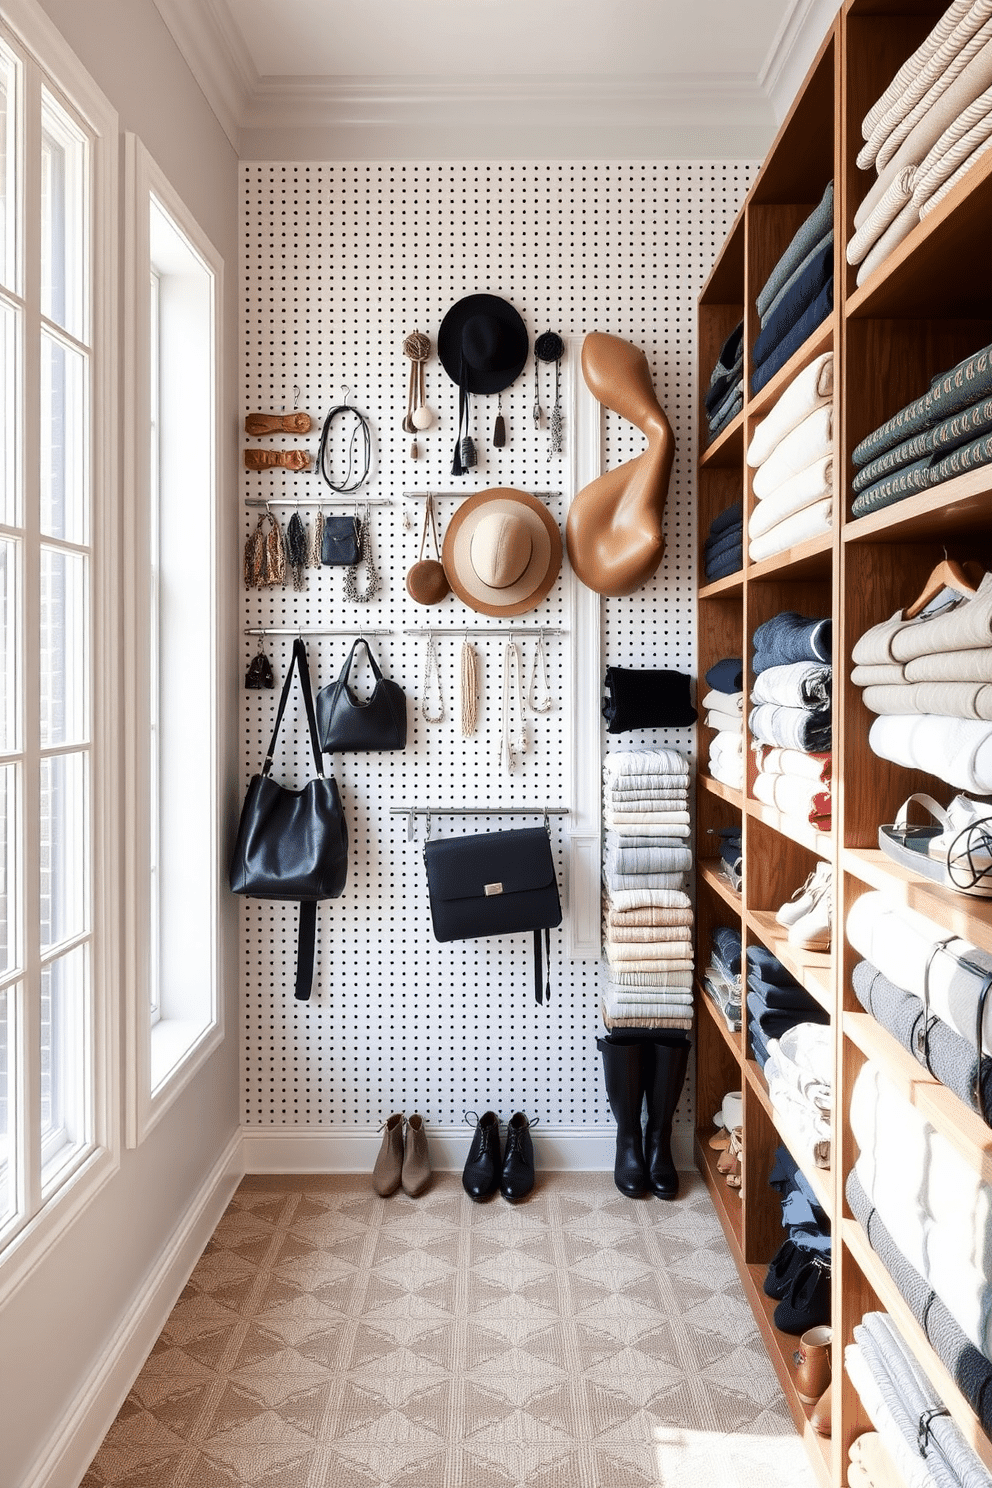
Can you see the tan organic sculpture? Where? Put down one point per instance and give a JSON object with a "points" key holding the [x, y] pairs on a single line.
{"points": [[614, 528]]}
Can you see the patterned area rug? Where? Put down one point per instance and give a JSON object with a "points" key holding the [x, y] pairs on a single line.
{"points": [[332, 1339]]}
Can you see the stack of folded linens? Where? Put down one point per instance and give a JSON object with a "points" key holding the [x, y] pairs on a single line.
{"points": [[647, 912], [722, 977], [723, 550], [791, 454], [898, 1398], [929, 127], [799, 1071], [725, 713], [724, 398], [776, 1002], [945, 432], [799, 1273], [798, 294], [930, 682], [802, 1217], [791, 717], [931, 1202], [729, 854]]}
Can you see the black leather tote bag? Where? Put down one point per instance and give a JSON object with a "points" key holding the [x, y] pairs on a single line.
{"points": [[293, 844], [345, 723], [495, 883]]}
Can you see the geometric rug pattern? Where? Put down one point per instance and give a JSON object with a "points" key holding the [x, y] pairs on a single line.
{"points": [[329, 1338]]}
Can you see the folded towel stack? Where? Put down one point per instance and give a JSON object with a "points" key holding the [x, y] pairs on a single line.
{"points": [[730, 863], [723, 550], [724, 398], [776, 1002], [791, 454], [798, 294], [722, 977], [790, 718], [799, 1071], [802, 1217], [725, 713], [928, 681], [930, 126], [648, 915], [928, 1196], [898, 1397], [945, 432], [870, 1464]]}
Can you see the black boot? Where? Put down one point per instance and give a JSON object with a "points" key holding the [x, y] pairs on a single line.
{"points": [[480, 1178], [623, 1070], [667, 1067]]}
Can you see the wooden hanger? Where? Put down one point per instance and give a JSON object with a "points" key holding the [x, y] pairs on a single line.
{"points": [[964, 578]]}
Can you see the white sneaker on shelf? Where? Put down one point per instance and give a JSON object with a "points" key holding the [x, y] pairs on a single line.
{"points": [[814, 931], [806, 896]]}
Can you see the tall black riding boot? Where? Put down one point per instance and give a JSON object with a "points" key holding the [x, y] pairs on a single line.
{"points": [[667, 1062], [623, 1069]]}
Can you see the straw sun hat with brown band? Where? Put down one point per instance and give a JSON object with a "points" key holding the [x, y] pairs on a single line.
{"points": [[502, 552]]}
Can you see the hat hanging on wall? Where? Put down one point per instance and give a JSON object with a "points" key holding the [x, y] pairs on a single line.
{"points": [[482, 344], [502, 552]]}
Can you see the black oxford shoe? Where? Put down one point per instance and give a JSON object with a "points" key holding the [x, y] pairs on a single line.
{"points": [[518, 1160], [480, 1177]]}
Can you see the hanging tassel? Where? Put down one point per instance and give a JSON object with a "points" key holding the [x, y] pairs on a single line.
{"points": [[255, 556], [468, 687], [274, 560], [297, 550], [499, 427], [457, 468], [466, 451], [316, 541]]}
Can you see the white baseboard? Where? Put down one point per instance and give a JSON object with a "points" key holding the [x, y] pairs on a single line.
{"points": [[78, 1436], [585, 1149]]}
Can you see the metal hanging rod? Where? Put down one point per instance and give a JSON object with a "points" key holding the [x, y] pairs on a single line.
{"points": [[479, 811], [458, 495], [318, 501], [295, 630], [439, 632]]}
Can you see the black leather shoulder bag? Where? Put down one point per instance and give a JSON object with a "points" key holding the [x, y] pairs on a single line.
{"points": [[293, 844], [378, 723], [495, 883]]}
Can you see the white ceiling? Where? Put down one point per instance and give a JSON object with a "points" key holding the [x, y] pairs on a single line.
{"points": [[508, 79]]}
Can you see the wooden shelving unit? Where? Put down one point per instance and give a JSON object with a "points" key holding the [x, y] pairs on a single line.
{"points": [[926, 307]]}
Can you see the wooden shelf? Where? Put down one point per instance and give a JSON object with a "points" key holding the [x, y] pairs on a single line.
{"points": [[802, 832], [725, 1200], [817, 1178], [709, 871], [962, 914], [854, 1239], [708, 1008], [962, 1127], [731, 586], [956, 506], [812, 969], [807, 560], [727, 449], [725, 792]]}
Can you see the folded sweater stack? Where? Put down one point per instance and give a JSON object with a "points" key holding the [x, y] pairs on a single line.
{"points": [[791, 454], [776, 1002], [790, 718], [725, 713], [945, 432], [798, 294], [928, 1196], [930, 126], [799, 1071], [898, 1398], [722, 977], [723, 550], [724, 398], [804, 1220], [928, 681], [647, 912]]}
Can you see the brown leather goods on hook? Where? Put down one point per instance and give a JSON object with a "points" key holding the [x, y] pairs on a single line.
{"points": [[426, 580], [262, 459], [614, 530], [277, 423]]}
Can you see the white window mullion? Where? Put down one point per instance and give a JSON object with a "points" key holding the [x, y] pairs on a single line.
{"points": [[29, 1023]]}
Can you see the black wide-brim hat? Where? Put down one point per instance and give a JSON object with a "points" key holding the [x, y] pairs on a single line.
{"points": [[483, 343]]}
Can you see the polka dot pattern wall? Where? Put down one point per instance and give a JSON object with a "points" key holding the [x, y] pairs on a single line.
{"points": [[341, 262]]}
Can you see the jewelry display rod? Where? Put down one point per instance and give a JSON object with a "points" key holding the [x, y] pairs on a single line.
{"points": [[483, 630], [305, 630], [319, 501], [460, 495]]}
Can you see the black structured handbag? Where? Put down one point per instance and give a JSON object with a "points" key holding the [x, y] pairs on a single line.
{"points": [[495, 883], [293, 844], [341, 543], [378, 723]]}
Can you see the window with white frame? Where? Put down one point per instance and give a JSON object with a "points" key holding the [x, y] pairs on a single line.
{"points": [[58, 655], [174, 286]]}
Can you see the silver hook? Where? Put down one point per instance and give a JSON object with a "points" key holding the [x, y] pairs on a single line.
{"points": [[428, 838], [296, 398], [347, 394], [547, 821]]}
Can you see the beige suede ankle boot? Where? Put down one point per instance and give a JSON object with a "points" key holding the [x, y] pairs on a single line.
{"points": [[389, 1163], [416, 1159]]}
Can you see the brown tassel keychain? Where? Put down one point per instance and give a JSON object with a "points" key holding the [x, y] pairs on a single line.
{"points": [[499, 428]]}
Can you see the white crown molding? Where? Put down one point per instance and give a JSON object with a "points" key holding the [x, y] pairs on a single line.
{"points": [[217, 56], [793, 48], [635, 100]]}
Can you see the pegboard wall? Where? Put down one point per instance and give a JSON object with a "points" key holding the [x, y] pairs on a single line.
{"points": [[341, 262]]}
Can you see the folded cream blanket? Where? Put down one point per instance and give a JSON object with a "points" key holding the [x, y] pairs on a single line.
{"points": [[806, 800], [649, 898], [958, 750], [676, 953], [808, 390], [644, 933], [897, 230], [647, 785], [667, 762], [967, 665], [723, 722], [809, 441], [727, 742], [910, 70], [812, 521], [799, 491], [683, 1024], [932, 202], [670, 820], [652, 977], [774, 761], [647, 919], [964, 627], [894, 198], [878, 674], [725, 702], [932, 81], [956, 699], [955, 146]]}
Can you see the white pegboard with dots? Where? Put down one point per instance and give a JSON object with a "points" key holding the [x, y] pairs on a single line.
{"points": [[340, 263]]}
